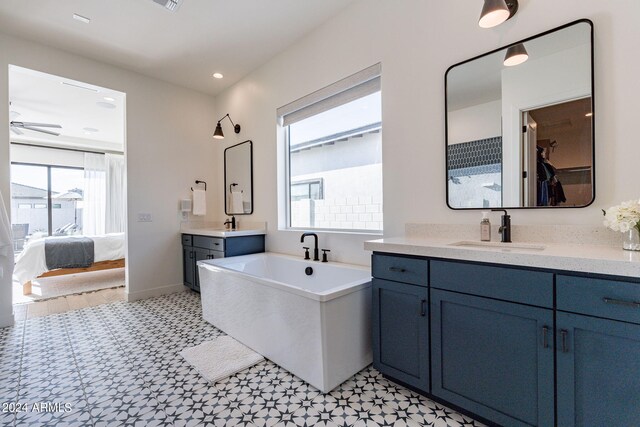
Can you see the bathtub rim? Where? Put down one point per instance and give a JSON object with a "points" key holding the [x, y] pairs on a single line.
{"points": [[333, 293]]}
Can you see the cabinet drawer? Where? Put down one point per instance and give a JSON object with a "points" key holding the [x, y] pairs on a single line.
{"points": [[215, 243], [400, 269], [186, 240], [509, 284], [610, 299]]}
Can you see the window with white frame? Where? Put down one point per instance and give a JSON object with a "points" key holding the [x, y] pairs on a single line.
{"points": [[334, 156]]}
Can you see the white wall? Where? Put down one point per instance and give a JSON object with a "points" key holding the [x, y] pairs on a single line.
{"points": [[476, 122], [537, 83], [168, 147], [416, 41]]}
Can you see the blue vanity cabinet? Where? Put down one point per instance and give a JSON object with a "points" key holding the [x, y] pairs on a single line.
{"points": [[197, 248], [598, 371], [493, 358], [598, 351], [400, 326], [492, 341], [400, 318]]}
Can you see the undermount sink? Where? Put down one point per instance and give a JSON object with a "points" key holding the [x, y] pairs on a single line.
{"points": [[499, 245]]}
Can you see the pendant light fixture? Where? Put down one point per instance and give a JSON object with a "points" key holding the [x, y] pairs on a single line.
{"points": [[495, 12], [218, 134], [516, 55]]}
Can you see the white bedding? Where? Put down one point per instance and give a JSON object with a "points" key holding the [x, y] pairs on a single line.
{"points": [[31, 262]]}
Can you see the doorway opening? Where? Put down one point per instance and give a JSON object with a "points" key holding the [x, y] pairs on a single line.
{"points": [[68, 190], [558, 154]]}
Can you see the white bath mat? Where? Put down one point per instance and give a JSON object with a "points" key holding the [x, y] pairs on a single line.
{"points": [[220, 358]]}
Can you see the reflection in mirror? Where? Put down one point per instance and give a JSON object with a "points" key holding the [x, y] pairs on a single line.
{"points": [[238, 179], [520, 132]]}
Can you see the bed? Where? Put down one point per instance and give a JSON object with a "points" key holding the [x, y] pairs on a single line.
{"points": [[100, 253]]}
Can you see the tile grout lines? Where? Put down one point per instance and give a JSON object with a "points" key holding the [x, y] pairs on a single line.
{"points": [[75, 362], [24, 329], [126, 359]]}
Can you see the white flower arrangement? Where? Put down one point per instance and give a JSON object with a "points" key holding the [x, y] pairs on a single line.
{"points": [[623, 217]]}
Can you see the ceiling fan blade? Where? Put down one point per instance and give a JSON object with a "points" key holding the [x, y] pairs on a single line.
{"points": [[16, 131], [41, 130], [40, 125]]}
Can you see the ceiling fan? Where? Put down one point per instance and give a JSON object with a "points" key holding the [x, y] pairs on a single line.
{"points": [[17, 127]]}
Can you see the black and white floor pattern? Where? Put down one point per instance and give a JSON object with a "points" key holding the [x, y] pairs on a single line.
{"points": [[118, 364]]}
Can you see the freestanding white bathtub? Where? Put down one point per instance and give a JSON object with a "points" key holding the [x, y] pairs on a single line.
{"points": [[315, 326]]}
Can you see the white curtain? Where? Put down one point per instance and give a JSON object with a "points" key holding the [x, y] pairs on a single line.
{"points": [[95, 189], [6, 247], [116, 215]]}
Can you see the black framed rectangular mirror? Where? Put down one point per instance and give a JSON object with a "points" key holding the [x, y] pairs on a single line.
{"points": [[238, 179], [520, 124]]}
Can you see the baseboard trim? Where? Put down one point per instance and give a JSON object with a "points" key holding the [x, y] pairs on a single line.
{"points": [[7, 320], [155, 292]]}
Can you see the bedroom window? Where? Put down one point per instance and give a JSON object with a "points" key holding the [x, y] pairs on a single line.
{"points": [[46, 200], [333, 144]]}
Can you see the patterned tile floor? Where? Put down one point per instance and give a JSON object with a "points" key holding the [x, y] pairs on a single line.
{"points": [[118, 364]]}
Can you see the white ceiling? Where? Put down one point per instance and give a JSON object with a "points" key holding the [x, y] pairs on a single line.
{"points": [[232, 37], [44, 98]]}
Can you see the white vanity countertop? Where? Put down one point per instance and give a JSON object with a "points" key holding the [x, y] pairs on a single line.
{"points": [[599, 259], [218, 230]]}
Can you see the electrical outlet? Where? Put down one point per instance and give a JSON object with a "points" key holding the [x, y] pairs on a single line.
{"points": [[184, 216], [145, 217]]}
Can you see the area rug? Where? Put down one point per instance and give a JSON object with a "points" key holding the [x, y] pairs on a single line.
{"points": [[220, 358]]}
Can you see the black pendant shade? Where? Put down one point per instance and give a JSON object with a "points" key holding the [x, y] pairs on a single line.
{"points": [[516, 55], [495, 12]]}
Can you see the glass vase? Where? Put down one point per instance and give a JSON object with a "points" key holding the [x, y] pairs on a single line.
{"points": [[631, 240]]}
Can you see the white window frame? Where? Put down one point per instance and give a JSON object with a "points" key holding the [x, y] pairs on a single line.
{"points": [[356, 86]]}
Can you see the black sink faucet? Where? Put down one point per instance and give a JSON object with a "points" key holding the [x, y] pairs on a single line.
{"points": [[505, 225], [231, 222], [316, 256]]}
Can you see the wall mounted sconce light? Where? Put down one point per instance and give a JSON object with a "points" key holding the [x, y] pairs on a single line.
{"points": [[495, 12], [217, 134], [515, 55]]}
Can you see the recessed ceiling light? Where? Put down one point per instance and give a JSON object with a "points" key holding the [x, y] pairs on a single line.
{"points": [[107, 105], [217, 75], [90, 130], [81, 18], [108, 98]]}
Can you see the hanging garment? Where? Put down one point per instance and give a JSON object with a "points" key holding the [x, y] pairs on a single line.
{"points": [[543, 193]]}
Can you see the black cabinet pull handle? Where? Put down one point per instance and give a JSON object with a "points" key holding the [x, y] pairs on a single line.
{"points": [[563, 334], [632, 304], [397, 269], [545, 337], [190, 254], [423, 307]]}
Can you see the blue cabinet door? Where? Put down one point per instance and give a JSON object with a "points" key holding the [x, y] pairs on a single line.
{"points": [[199, 255], [598, 371], [188, 263], [401, 332], [493, 358]]}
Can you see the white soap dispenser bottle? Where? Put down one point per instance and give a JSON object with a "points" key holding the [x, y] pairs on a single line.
{"points": [[485, 228]]}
